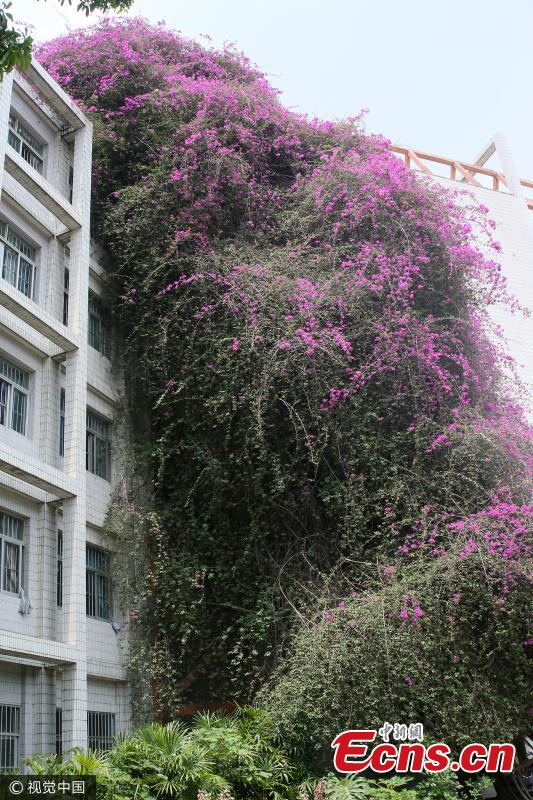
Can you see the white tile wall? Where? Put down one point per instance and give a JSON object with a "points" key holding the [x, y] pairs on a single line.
{"points": [[47, 655]]}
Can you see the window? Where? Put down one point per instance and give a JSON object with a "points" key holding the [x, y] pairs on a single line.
{"points": [[101, 730], [97, 333], [59, 573], [14, 392], [98, 459], [61, 422], [9, 736], [66, 286], [70, 183], [11, 547], [98, 582], [18, 260], [26, 143], [59, 731]]}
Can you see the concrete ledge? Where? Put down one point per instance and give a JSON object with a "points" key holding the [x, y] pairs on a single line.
{"points": [[34, 472]]}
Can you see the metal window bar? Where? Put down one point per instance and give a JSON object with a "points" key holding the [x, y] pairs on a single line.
{"points": [[59, 574], [11, 552], [18, 260], [62, 422], [66, 286], [101, 730], [59, 731], [11, 526], [98, 453], [9, 736], [25, 143], [96, 334], [98, 583], [14, 373]]}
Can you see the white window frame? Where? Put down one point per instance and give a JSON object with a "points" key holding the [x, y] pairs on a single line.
{"points": [[11, 539], [14, 383], [98, 444], [22, 255], [10, 717], [26, 143]]}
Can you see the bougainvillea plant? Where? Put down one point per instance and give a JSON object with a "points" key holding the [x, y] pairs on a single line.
{"points": [[334, 443]]}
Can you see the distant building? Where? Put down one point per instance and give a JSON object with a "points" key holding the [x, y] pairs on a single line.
{"points": [[509, 199], [62, 674]]}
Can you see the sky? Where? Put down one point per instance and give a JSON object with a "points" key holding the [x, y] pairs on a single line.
{"points": [[441, 77]]}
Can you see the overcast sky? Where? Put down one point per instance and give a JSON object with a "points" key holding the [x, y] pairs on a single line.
{"points": [[438, 76]]}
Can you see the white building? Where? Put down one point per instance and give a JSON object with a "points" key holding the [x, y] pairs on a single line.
{"points": [[62, 673], [509, 199]]}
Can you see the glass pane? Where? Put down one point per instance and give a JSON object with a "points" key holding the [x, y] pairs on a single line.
{"points": [[102, 584], [11, 581], [25, 283], [28, 137], [11, 526], [102, 461], [62, 422], [18, 415], [14, 373], [4, 394], [14, 141], [9, 265]]}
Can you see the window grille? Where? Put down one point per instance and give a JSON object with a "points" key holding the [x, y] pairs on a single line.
{"points": [[101, 730], [9, 737], [59, 731], [66, 288], [59, 574], [25, 143], [18, 259], [98, 583], [97, 333], [11, 552], [98, 456], [62, 422], [14, 386]]}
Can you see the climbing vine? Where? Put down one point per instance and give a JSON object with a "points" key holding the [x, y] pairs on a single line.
{"points": [[319, 399]]}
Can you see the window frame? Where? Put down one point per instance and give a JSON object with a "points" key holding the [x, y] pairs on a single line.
{"points": [[62, 406], [66, 293], [96, 311], [14, 388], [103, 735], [17, 543], [59, 731], [24, 251], [98, 603], [29, 145], [59, 568], [10, 711], [98, 435]]}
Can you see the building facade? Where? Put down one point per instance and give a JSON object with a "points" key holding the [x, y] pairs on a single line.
{"points": [[62, 642]]}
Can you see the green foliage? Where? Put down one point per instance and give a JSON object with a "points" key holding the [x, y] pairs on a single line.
{"points": [[317, 397], [373, 658], [231, 757], [15, 46]]}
